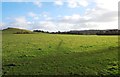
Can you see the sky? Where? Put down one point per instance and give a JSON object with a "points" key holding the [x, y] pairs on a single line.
{"points": [[59, 15]]}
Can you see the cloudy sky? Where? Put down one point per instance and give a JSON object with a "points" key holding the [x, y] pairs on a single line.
{"points": [[60, 15]]}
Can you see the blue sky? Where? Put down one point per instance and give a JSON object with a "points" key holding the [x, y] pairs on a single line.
{"points": [[45, 15], [14, 9]]}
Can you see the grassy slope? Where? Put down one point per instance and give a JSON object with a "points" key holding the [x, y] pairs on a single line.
{"points": [[14, 30], [47, 54]]}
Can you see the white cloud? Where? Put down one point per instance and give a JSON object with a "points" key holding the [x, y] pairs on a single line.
{"points": [[63, 26], [49, 18], [107, 4], [75, 17], [20, 19], [76, 3], [31, 14], [46, 26], [83, 3], [19, 22], [45, 15], [36, 18], [2, 25], [72, 4], [58, 2], [71, 19], [37, 3], [103, 16]]}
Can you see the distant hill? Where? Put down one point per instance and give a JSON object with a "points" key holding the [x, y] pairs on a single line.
{"points": [[16, 31]]}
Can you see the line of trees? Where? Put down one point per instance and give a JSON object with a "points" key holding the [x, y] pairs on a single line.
{"points": [[109, 32], [22, 32], [41, 31], [85, 32]]}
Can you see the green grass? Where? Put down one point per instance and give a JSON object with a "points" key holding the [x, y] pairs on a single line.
{"points": [[15, 30], [49, 54]]}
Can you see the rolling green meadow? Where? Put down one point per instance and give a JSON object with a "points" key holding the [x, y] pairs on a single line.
{"points": [[59, 54]]}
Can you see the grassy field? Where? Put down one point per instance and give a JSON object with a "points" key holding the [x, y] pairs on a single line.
{"points": [[53, 54]]}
